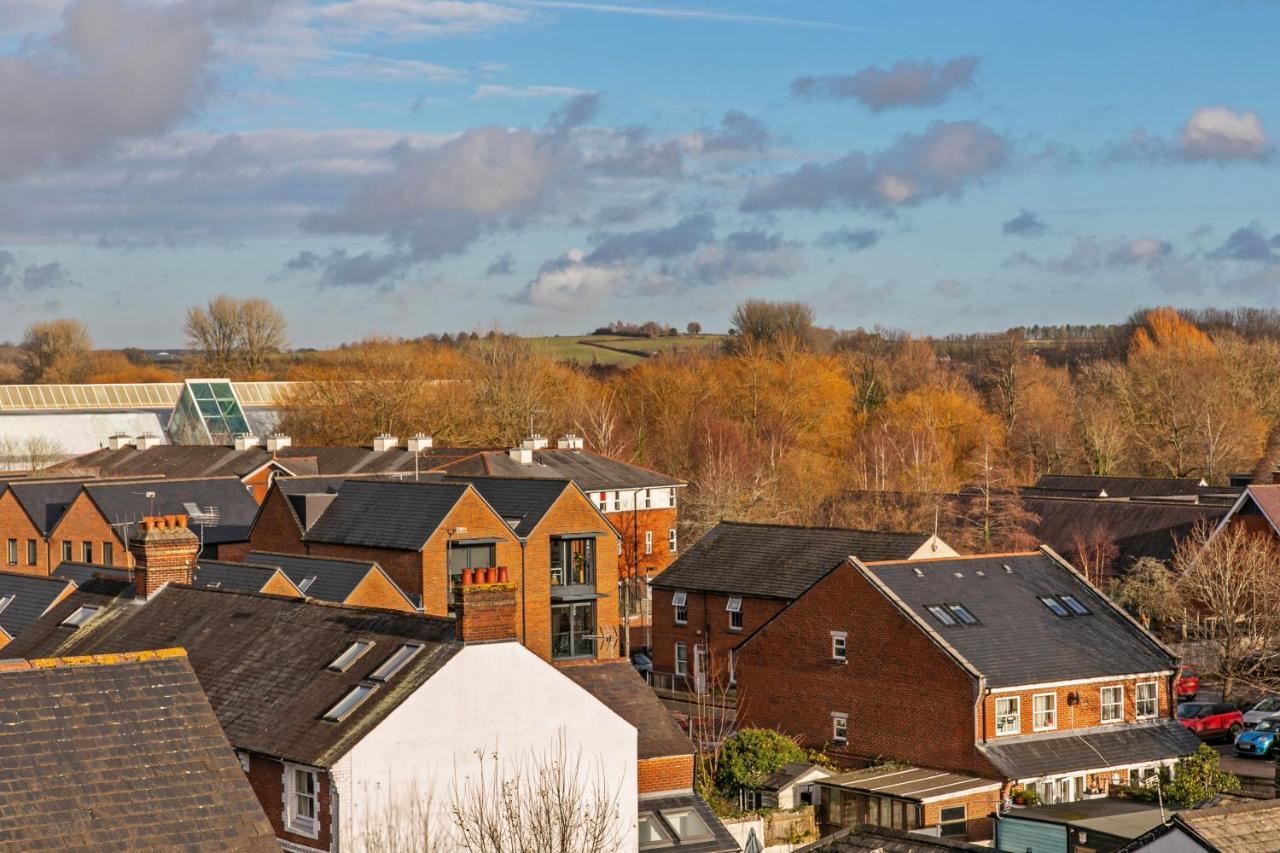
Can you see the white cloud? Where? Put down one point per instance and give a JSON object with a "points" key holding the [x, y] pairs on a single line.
{"points": [[571, 282], [1218, 133], [495, 90]]}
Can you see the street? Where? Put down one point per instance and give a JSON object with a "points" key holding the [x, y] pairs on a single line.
{"points": [[1258, 768]]}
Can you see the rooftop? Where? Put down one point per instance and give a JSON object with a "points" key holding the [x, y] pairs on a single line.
{"points": [[876, 839], [590, 471], [1028, 756], [917, 784], [386, 513], [235, 577], [24, 598], [332, 579], [1125, 819], [1241, 828], [201, 498], [618, 685], [1121, 487]]}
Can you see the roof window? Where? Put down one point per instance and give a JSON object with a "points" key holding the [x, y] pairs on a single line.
{"points": [[349, 702], [687, 824], [1054, 605], [1074, 605], [353, 653], [396, 662], [962, 614], [941, 614], [80, 617], [306, 583], [5, 602]]}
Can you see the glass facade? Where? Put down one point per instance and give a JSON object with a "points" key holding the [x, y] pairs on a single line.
{"points": [[573, 562], [208, 412], [572, 629]]}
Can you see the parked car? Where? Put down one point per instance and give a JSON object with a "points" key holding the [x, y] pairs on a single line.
{"points": [[1268, 707], [1211, 720], [642, 662], [1261, 740], [1188, 684]]}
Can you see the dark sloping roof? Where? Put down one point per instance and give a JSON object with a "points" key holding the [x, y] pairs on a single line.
{"points": [[590, 471], [911, 783], [334, 579], [618, 685], [128, 502], [396, 514], [1239, 828], [877, 839], [45, 502], [721, 842], [32, 595], [1138, 528], [366, 460], [1018, 640], [523, 501], [1121, 487], [121, 755], [1089, 749], [169, 460], [262, 659], [233, 577], [82, 573], [777, 560]]}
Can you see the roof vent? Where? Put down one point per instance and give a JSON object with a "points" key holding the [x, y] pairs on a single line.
{"points": [[276, 441], [534, 442], [148, 440], [1008, 569], [245, 441], [523, 455], [419, 443], [569, 442], [119, 441], [980, 573], [959, 574], [386, 441], [919, 573]]}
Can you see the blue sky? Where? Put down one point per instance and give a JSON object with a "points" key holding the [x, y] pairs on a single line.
{"points": [[406, 166]]}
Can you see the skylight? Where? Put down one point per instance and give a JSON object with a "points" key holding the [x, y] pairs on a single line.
{"points": [[350, 702], [80, 616], [396, 662], [688, 825], [5, 602], [651, 832], [306, 583], [1054, 605], [962, 614], [353, 653], [940, 613], [1074, 603]]}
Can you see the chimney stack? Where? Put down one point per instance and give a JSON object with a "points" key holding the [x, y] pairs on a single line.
{"points": [[419, 443], [148, 440], [385, 441], [244, 441], [164, 551], [534, 442], [119, 441], [569, 442], [486, 612], [523, 455], [276, 441]]}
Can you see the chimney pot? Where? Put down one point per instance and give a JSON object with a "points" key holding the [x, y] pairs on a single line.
{"points": [[569, 442]]}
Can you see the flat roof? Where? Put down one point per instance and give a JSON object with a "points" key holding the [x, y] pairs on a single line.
{"points": [[1126, 819], [918, 784]]}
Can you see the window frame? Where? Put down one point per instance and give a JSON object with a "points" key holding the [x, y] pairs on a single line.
{"points": [[572, 608], [941, 614], [1154, 700], [86, 552], [962, 821], [396, 661], [1036, 725], [67, 551], [108, 553], [664, 839], [13, 552], [648, 542], [680, 665], [680, 607], [1075, 605], [1015, 715], [350, 701], [672, 541], [85, 613], [294, 821], [839, 722], [840, 643], [962, 614], [669, 816], [1054, 606], [1103, 704]]}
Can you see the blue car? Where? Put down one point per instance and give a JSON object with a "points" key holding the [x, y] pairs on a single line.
{"points": [[1260, 740]]}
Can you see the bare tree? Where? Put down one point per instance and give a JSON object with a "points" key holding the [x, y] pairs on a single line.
{"points": [[694, 328], [765, 322], [235, 335], [1150, 590], [713, 719], [1093, 552], [56, 351], [508, 385], [262, 333]]}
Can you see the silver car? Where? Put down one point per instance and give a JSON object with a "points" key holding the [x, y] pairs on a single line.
{"points": [[1268, 707]]}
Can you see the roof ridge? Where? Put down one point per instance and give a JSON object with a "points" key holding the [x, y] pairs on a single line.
{"points": [[783, 526], [315, 602], [957, 558], [160, 478], [92, 660], [313, 557], [12, 574]]}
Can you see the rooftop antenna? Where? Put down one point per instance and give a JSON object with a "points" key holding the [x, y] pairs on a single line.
{"points": [[151, 496]]}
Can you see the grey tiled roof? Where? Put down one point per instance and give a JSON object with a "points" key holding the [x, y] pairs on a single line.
{"points": [[169, 460], [128, 502], [618, 685], [233, 577], [1017, 639], [385, 513], [524, 501], [1120, 487], [45, 502], [261, 659], [335, 579], [1239, 828], [590, 471], [1089, 749], [366, 460], [120, 756], [1138, 528], [776, 560], [32, 595]]}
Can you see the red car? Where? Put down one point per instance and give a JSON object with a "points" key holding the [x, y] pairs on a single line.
{"points": [[1188, 684], [1211, 720]]}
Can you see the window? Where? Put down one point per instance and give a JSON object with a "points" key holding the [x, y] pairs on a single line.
{"points": [[396, 662], [469, 556], [680, 604], [66, 551], [5, 601], [1008, 716], [648, 498], [651, 833], [617, 501], [941, 614], [353, 653], [1145, 700], [840, 728], [602, 501], [1044, 711], [839, 646], [648, 541], [951, 821], [86, 552], [245, 761], [302, 800], [962, 614], [573, 628], [671, 540], [108, 554], [80, 616], [671, 497], [573, 561], [1054, 605], [735, 612], [733, 667], [1074, 605], [1112, 704], [13, 552], [687, 824], [350, 702], [32, 553], [682, 659]]}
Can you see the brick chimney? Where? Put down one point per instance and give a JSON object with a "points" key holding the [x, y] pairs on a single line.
{"points": [[164, 551], [486, 612]]}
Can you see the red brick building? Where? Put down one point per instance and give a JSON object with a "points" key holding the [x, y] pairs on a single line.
{"points": [[1003, 667]]}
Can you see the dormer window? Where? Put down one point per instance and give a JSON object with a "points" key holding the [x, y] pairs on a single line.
{"points": [[353, 653], [396, 662], [1055, 606]]}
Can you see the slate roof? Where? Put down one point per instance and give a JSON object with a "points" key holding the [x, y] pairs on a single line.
{"points": [[591, 471], [233, 577], [911, 783], [523, 501], [618, 685], [878, 839], [366, 460], [121, 502], [169, 460], [335, 579], [45, 502], [1242, 828], [1018, 640], [721, 842], [123, 755], [1138, 528], [82, 573], [263, 660], [1121, 487], [1264, 499], [1046, 754], [397, 514], [776, 560], [32, 596]]}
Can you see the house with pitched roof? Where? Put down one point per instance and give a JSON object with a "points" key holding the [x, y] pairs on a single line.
{"points": [[1257, 510], [738, 577], [1244, 827], [25, 598], [119, 752], [1002, 667]]}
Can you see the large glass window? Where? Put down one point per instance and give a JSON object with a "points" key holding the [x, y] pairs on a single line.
{"points": [[1145, 701], [207, 413], [1044, 711], [573, 562], [572, 627], [470, 556]]}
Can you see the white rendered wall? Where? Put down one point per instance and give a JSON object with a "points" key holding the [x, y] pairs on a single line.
{"points": [[496, 697]]}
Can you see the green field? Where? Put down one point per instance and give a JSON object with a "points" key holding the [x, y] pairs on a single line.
{"points": [[615, 349]]}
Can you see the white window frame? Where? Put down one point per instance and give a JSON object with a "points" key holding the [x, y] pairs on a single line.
{"points": [[1038, 724], [1103, 704], [839, 723], [672, 540], [681, 665], [672, 496], [648, 499], [840, 646], [617, 501], [1015, 715], [734, 608], [680, 607], [1154, 700], [648, 541], [293, 821]]}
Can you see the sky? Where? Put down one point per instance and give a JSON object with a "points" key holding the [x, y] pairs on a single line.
{"points": [[400, 167]]}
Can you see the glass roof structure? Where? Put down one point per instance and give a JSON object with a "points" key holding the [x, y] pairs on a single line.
{"points": [[208, 412], [125, 396]]}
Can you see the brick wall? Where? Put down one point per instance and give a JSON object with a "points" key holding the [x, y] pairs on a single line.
{"points": [[978, 810], [671, 773], [275, 529], [1087, 712], [481, 522], [266, 775], [486, 613], [894, 681], [377, 591], [14, 524], [708, 624], [280, 585], [632, 527], [83, 522]]}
